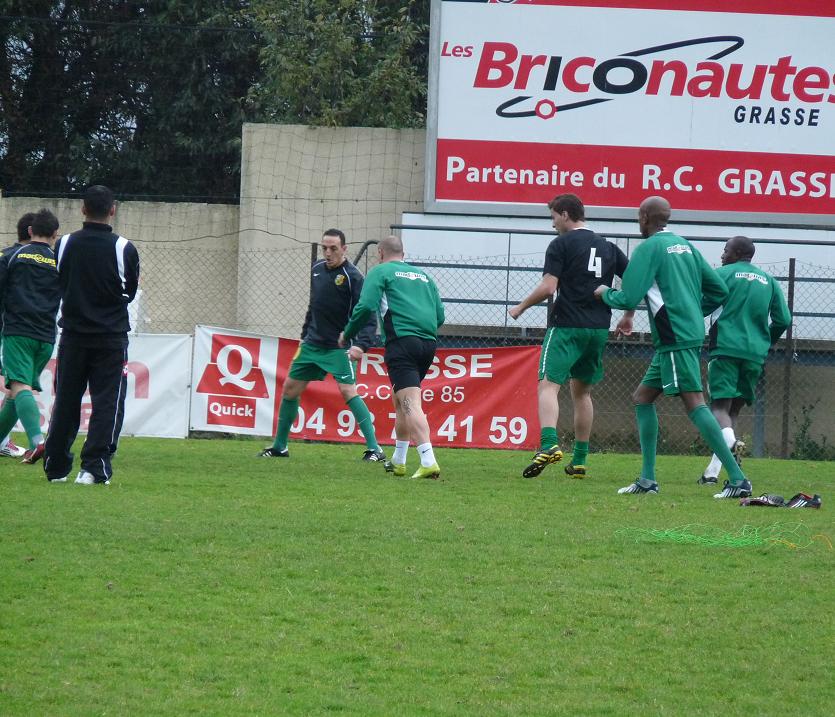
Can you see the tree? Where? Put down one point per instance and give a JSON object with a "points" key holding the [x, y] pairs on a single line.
{"points": [[343, 62], [149, 97], [146, 97]]}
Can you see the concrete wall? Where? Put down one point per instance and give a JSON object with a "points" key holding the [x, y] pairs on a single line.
{"points": [[188, 252], [297, 182]]}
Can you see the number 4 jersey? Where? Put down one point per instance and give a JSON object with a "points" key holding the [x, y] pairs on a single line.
{"points": [[582, 260]]}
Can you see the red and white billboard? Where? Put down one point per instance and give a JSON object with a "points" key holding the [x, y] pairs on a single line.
{"points": [[474, 398], [725, 108], [234, 381]]}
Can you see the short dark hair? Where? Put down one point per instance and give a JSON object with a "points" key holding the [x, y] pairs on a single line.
{"points": [[98, 201], [568, 203], [45, 224], [335, 233], [23, 225]]}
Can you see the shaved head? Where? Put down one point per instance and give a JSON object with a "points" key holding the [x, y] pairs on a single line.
{"points": [[743, 246], [738, 248], [653, 215], [391, 248]]}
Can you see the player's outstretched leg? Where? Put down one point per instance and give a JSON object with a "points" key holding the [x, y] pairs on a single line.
{"points": [[737, 485], [286, 415], [362, 415]]}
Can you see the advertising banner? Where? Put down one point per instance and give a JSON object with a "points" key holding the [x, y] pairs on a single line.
{"points": [[234, 381], [158, 373], [717, 110], [474, 398]]}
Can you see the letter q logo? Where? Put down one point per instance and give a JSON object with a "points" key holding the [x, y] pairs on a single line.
{"points": [[233, 368]]}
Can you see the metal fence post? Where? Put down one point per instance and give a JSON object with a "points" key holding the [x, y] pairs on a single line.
{"points": [[787, 366]]}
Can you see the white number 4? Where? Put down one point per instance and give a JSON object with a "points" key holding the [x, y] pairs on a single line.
{"points": [[595, 263]]}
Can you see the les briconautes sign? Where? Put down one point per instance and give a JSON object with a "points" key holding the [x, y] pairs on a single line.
{"points": [[725, 108]]}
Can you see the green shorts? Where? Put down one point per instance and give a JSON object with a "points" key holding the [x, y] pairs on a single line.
{"points": [[733, 378], [312, 363], [674, 372], [573, 353], [24, 360]]}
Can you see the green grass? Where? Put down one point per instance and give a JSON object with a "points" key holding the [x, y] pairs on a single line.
{"points": [[204, 581]]}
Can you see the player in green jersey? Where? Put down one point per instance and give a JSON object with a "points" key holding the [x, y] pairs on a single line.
{"points": [[411, 311], [680, 288], [752, 319]]}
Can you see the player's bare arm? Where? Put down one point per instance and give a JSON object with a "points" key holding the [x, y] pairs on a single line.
{"points": [[546, 288]]}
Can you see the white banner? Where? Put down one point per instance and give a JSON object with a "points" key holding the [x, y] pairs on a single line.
{"points": [[722, 107], [157, 393], [234, 381]]}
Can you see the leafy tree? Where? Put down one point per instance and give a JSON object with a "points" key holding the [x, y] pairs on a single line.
{"points": [[145, 96], [343, 62], [149, 96]]}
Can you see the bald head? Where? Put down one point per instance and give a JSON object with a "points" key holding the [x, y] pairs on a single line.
{"points": [[390, 248], [738, 248], [653, 214]]}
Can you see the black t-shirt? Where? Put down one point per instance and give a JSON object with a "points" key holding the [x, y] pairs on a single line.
{"points": [[582, 260]]}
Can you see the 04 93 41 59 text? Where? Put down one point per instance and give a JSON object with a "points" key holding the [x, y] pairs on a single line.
{"points": [[447, 428]]}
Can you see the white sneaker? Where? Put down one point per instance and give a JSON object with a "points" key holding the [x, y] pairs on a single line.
{"points": [[85, 478], [10, 450], [63, 479]]}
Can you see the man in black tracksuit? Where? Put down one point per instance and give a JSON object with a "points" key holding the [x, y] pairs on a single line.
{"points": [[99, 273]]}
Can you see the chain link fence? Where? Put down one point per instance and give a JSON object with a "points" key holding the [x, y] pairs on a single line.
{"points": [[266, 292]]}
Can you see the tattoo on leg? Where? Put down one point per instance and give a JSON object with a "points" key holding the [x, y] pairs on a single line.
{"points": [[407, 405]]}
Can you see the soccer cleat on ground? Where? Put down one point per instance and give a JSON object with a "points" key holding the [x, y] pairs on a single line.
{"points": [[432, 471], [542, 459], [575, 471], [636, 487], [85, 478], [33, 455], [708, 480], [737, 449], [374, 455], [802, 500], [769, 500], [397, 469], [743, 490], [10, 450], [274, 453]]}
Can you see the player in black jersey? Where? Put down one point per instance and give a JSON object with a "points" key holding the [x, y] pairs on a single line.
{"points": [[7, 447], [576, 262], [30, 295]]}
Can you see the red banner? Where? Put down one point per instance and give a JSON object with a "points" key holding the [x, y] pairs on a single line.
{"points": [[525, 172], [474, 398]]}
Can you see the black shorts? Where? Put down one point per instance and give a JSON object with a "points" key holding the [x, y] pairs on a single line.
{"points": [[407, 360]]}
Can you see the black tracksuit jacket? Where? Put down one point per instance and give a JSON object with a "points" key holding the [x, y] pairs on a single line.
{"points": [[99, 274], [333, 295], [29, 292]]}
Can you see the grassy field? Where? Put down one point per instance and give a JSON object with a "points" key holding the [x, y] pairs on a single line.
{"points": [[204, 581]]}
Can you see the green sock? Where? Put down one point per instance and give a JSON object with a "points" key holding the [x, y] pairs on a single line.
{"points": [[8, 417], [547, 438], [366, 425], [30, 417], [648, 434], [709, 428], [286, 415], [581, 453]]}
